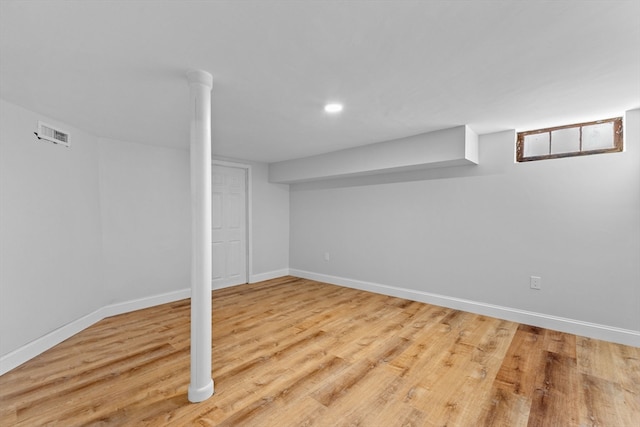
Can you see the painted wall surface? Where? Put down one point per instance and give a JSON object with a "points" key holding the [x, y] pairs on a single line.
{"points": [[103, 222], [145, 204], [446, 147], [50, 237], [270, 206], [480, 232], [146, 219], [108, 221]]}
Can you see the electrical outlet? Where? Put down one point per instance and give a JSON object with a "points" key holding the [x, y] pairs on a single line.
{"points": [[327, 257], [535, 282]]}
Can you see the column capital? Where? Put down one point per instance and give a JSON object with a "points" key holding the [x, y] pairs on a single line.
{"points": [[200, 77]]}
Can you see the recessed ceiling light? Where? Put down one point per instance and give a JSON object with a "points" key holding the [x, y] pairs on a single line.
{"points": [[333, 108]]}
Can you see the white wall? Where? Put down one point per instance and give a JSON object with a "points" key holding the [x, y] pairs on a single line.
{"points": [[478, 232], [50, 238], [270, 206], [101, 228], [108, 221], [145, 205], [146, 219], [442, 148]]}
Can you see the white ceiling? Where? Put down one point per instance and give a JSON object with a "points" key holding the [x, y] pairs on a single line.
{"points": [[117, 68]]}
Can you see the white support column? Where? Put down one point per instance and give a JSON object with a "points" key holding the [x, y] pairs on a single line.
{"points": [[201, 386]]}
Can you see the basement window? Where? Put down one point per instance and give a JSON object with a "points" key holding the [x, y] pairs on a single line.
{"points": [[602, 136]]}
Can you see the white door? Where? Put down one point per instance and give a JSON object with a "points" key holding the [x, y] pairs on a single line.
{"points": [[229, 226]]}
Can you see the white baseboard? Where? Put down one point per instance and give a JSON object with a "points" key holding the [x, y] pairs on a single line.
{"points": [[269, 275], [19, 356], [608, 333], [572, 326], [26, 352], [146, 302]]}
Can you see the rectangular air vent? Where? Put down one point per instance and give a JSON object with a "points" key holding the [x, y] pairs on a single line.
{"points": [[55, 135]]}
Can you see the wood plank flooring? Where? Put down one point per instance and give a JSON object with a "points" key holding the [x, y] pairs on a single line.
{"points": [[294, 352]]}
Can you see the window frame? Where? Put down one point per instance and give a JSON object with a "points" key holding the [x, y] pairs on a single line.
{"points": [[617, 141]]}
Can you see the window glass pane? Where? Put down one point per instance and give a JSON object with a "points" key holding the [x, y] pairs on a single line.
{"points": [[597, 137], [565, 140], [536, 144]]}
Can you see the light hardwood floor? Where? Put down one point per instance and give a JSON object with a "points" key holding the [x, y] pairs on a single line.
{"points": [[293, 352]]}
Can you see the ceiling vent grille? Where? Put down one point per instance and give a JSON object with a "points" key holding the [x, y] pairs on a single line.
{"points": [[50, 133]]}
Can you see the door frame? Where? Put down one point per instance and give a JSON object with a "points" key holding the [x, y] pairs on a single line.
{"points": [[248, 210]]}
